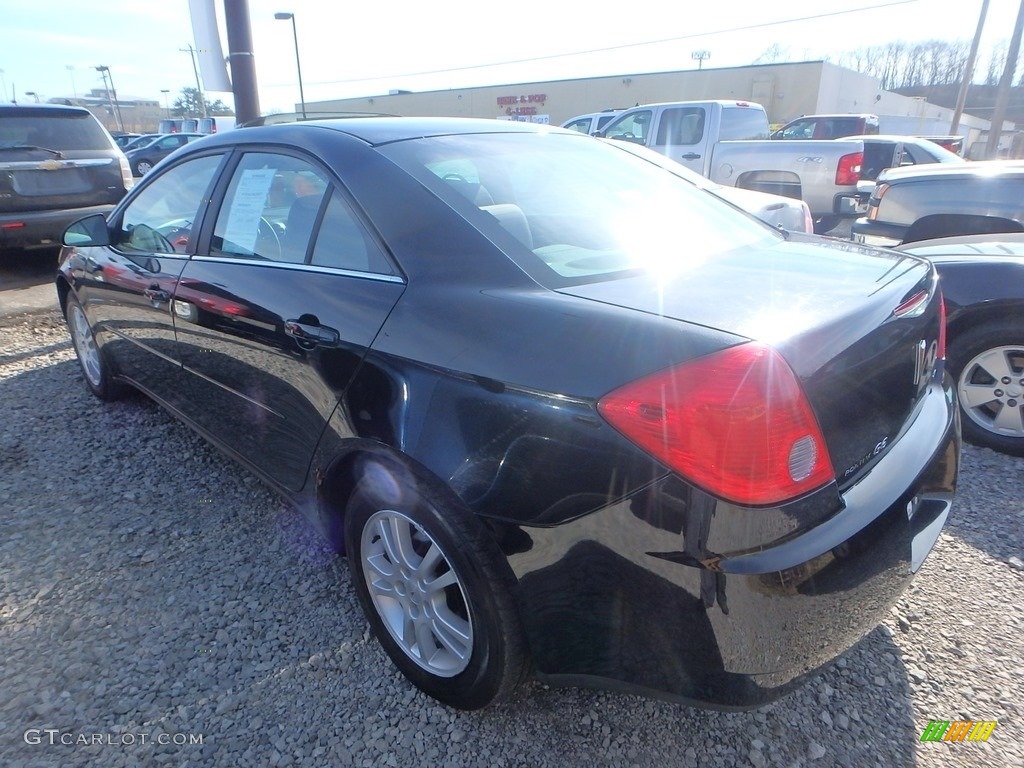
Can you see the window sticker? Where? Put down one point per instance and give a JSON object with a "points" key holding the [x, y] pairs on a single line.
{"points": [[247, 208]]}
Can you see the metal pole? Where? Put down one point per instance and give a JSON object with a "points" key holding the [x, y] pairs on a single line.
{"points": [[106, 87], [70, 68], [298, 66], [117, 106], [995, 131], [242, 60], [199, 85], [965, 84]]}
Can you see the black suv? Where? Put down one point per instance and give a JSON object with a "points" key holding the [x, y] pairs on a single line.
{"points": [[57, 164]]}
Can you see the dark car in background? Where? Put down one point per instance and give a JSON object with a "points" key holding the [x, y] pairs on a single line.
{"points": [[142, 159], [828, 126], [982, 279], [141, 141], [615, 434], [943, 200], [57, 164]]}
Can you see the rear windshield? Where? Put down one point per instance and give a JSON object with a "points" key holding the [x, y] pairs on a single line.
{"points": [[58, 130], [569, 209]]}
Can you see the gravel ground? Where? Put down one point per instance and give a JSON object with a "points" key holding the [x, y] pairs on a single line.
{"points": [[152, 591]]}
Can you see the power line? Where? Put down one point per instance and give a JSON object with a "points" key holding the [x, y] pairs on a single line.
{"points": [[623, 46]]}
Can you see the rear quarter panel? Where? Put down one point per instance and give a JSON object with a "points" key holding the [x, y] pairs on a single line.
{"points": [[809, 166]]}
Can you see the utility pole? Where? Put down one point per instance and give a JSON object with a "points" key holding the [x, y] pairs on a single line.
{"points": [[242, 60], [995, 131], [965, 84], [199, 86]]}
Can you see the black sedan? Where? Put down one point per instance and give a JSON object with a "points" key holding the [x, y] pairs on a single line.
{"points": [[565, 412], [982, 278]]}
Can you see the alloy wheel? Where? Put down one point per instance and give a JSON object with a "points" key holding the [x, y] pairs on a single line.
{"points": [[417, 593]]}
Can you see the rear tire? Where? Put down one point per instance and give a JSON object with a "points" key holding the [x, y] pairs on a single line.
{"points": [[96, 368], [435, 587], [987, 363]]}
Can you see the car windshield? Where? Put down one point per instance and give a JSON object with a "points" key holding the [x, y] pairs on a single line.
{"points": [[578, 209], [53, 130]]}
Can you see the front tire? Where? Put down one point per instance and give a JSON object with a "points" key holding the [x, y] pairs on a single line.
{"points": [[96, 369], [435, 588], [987, 363]]}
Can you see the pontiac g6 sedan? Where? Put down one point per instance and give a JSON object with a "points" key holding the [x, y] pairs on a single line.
{"points": [[567, 414]]}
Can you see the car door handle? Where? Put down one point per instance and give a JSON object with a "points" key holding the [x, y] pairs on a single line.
{"points": [[311, 334], [155, 293], [691, 156]]}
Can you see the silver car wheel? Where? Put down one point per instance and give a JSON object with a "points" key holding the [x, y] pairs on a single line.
{"points": [[144, 167], [991, 390], [85, 346], [417, 593]]}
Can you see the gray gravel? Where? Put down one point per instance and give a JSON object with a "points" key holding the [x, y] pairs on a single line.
{"points": [[151, 590]]}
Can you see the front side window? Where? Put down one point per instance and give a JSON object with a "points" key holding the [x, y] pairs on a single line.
{"points": [[161, 217], [633, 127], [801, 129], [580, 126]]}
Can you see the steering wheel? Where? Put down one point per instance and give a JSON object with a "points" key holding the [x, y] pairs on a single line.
{"points": [[454, 177], [268, 233]]}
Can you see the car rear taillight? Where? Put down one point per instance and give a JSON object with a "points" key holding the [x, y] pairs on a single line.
{"points": [[736, 423], [848, 170], [940, 352], [876, 198]]}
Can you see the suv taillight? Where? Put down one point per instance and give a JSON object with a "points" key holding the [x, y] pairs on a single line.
{"points": [[876, 199], [848, 170], [736, 423], [126, 173]]}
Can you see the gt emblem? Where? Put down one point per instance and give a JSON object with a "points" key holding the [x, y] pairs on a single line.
{"points": [[925, 356]]}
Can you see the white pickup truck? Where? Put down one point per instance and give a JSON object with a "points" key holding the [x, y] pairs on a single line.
{"points": [[727, 142]]}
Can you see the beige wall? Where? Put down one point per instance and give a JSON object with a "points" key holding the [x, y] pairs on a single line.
{"points": [[786, 90]]}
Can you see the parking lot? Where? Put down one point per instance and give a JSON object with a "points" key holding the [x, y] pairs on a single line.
{"points": [[161, 607]]}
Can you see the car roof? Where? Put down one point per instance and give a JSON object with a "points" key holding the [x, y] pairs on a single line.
{"points": [[982, 168], [51, 108], [384, 130]]}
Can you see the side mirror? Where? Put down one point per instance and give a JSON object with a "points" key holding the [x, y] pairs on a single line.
{"points": [[599, 133], [92, 230]]}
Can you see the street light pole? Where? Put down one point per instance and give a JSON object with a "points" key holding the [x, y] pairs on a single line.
{"points": [[71, 69], [298, 64], [33, 94], [167, 107]]}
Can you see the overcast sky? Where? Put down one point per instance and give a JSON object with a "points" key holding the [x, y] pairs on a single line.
{"points": [[348, 49]]}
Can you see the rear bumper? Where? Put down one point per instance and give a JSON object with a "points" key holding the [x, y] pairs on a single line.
{"points": [[630, 600], [41, 229]]}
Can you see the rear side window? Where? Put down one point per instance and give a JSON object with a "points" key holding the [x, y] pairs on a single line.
{"points": [[681, 126], [57, 129]]}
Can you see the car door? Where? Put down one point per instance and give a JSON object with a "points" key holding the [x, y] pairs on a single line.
{"points": [[680, 135], [276, 314], [128, 286]]}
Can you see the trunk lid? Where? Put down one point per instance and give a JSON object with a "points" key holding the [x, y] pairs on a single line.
{"points": [[838, 314]]}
